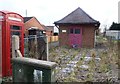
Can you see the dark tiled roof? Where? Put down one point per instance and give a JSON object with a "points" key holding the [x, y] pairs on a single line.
{"points": [[27, 18], [78, 16]]}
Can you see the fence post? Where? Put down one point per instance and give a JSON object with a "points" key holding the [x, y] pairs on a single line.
{"points": [[15, 45], [36, 45], [47, 48]]}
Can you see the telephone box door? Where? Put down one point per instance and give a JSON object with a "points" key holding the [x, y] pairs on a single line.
{"points": [[16, 29]]}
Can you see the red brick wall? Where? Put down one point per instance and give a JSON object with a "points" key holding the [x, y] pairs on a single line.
{"points": [[63, 36], [88, 34]]}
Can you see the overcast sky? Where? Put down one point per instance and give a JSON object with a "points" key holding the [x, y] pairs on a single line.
{"points": [[48, 11]]}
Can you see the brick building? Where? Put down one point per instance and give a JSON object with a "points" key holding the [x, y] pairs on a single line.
{"points": [[32, 22], [77, 29], [49, 30]]}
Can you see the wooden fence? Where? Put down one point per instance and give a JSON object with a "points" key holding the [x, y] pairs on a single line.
{"points": [[52, 38]]}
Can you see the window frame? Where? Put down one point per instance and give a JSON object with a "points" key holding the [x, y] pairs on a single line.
{"points": [[74, 31]]}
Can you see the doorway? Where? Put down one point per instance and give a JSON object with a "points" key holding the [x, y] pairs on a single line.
{"points": [[75, 37]]}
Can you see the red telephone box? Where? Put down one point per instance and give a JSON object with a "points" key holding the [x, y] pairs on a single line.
{"points": [[10, 24]]}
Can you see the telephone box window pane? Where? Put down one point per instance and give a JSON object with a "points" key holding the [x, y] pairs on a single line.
{"points": [[13, 27], [15, 33], [71, 31], [77, 31]]}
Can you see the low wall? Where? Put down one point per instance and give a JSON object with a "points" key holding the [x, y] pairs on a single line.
{"points": [[23, 69]]}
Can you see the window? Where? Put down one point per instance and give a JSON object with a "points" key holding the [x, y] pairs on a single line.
{"points": [[71, 31], [15, 33], [74, 31], [13, 27], [77, 31]]}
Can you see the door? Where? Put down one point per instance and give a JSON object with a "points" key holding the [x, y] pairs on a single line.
{"points": [[15, 30], [75, 37]]}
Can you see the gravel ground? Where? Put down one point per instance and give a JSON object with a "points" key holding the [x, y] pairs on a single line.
{"points": [[82, 65]]}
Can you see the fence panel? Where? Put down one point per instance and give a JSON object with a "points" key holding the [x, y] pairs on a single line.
{"points": [[36, 47], [52, 38]]}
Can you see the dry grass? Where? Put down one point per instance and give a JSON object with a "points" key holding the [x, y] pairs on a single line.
{"points": [[104, 70]]}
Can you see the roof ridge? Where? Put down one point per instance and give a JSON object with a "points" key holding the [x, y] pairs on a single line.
{"points": [[87, 14], [69, 14]]}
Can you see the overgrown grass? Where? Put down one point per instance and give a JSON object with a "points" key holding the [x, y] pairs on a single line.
{"points": [[98, 71]]}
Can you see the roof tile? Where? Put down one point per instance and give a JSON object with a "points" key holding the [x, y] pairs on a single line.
{"points": [[78, 16]]}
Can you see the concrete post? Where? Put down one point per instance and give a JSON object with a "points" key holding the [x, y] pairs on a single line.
{"points": [[15, 45]]}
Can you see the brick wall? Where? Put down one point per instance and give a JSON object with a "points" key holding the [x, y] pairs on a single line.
{"points": [[63, 36], [88, 35]]}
